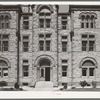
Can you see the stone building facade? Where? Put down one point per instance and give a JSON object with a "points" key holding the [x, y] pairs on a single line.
{"points": [[41, 43]]}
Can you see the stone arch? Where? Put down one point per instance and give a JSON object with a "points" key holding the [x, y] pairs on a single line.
{"points": [[5, 60], [43, 57], [40, 7], [90, 14], [5, 15], [88, 59]]}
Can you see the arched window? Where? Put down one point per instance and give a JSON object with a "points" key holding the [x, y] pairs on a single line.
{"points": [[3, 68], [88, 68], [44, 18], [4, 21], [88, 20]]}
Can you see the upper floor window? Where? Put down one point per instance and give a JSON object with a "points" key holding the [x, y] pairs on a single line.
{"points": [[44, 18], [25, 43], [88, 20], [64, 43], [44, 42], [4, 21], [64, 68], [64, 21], [25, 68], [4, 39], [25, 22], [88, 42]]}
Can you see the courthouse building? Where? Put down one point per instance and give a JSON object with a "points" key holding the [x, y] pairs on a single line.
{"points": [[49, 43]]}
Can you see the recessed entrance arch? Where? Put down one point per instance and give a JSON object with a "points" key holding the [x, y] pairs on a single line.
{"points": [[44, 69], [44, 65]]}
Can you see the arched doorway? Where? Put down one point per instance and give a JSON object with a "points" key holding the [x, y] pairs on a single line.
{"points": [[44, 70]]}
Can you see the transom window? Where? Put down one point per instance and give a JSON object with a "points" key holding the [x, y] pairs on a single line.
{"points": [[88, 20], [44, 18], [44, 42], [88, 68], [5, 21], [4, 39], [64, 68], [88, 42], [3, 69]]}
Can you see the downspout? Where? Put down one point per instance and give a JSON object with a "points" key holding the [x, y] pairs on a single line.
{"points": [[57, 47], [18, 41], [71, 38]]}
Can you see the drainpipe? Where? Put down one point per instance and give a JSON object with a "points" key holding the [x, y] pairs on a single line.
{"points": [[57, 47], [18, 40], [71, 38]]}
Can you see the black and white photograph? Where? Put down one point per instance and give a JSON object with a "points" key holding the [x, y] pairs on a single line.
{"points": [[50, 47]]}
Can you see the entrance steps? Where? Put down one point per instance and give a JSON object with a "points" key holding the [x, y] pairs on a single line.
{"points": [[44, 85]]}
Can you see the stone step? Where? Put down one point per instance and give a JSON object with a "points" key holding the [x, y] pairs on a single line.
{"points": [[43, 84]]}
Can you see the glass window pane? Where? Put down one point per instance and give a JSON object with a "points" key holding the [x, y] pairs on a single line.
{"points": [[64, 46], [25, 46], [84, 71], [41, 45], [91, 45], [48, 45], [5, 45], [84, 36], [91, 71], [25, 37]]}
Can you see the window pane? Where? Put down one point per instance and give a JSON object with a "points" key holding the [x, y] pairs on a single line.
{"points": [[64, 17], [25, 46], [25, 61], [91, 45], [25, 37], [64, 61], [48, 35], [25, 17], [64, 23], [41, 23], [26, 24], [41, 36], [92, 25], [64, 37], [87, 25], [41, 45], [5, 36], [64, 46], [84, 45], [84, 36], [84, 71], [48, 23], [5, 45], [64, 70], [48, 45], [25, 70], [92, 36], [5, 72], [91, 71], [82, 25]]}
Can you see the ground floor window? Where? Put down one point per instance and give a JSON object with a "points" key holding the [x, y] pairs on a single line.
{"points": [[3, 69], [88, 68]]}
